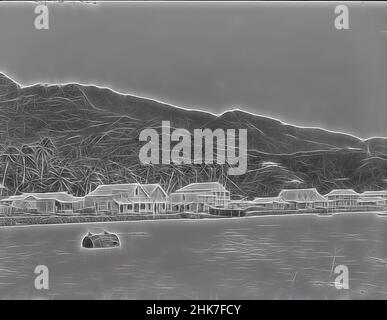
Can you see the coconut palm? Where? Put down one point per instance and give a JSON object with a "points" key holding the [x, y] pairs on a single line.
{"points": [[60, 178], [25, 161], [44, 150], [9, 157]]}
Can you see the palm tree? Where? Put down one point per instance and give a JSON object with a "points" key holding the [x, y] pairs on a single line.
{"points": [[60, 178], [44, 150], [9, 157], [26, 161], [88, 179]]}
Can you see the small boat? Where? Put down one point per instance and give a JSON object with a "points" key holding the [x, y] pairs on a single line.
{"points": [[101, 240]]}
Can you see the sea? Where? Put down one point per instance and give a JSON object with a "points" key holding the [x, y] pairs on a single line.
{"points": [[266, 257]]}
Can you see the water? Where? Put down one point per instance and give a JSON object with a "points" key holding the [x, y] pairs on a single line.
{"points": [[289, 257]]}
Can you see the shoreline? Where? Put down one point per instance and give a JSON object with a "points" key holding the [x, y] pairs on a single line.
{"points": [[58, 220]]}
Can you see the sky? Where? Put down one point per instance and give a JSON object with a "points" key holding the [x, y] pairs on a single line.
{"points": [[283, 60]]}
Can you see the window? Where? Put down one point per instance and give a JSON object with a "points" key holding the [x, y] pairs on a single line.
{"points": [[163, 205], [142, 206], [130, 207]]}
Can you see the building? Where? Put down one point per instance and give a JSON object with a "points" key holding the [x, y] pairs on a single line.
{"points": [[48, 202], [271, 203], [303, 198], [198, 197], [372, 202], [375, 194], [343, 198], [128, 198]]}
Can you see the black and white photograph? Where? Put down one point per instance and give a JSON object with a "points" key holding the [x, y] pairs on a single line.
{"points": [[193, 150]]}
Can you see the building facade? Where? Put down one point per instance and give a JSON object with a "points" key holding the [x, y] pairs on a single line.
{"points": [[271, 203], [198, 197], [47, 203], [128, 198], [304, 199], [343, 198], [375, 194]]}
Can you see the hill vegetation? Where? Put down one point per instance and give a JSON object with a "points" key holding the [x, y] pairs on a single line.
{"points": [[74, 137]]}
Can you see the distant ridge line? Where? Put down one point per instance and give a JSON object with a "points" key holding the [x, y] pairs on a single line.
{"points": [[170, 105]]}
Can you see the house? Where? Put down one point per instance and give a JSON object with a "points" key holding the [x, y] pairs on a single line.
{"points": [[128, 198], [198, 197], [372, 201], [47, 202], [343, 198], [375, 194], [303, 198], [271, 203]]}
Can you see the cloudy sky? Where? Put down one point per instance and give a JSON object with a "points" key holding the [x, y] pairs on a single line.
{"points": [[282, 60]]}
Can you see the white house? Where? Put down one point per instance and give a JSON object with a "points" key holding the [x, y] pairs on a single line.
{"points": [[128, 198], [270, 203], [198, 197], [304, 198], [375, 194], [45, 202], [343, 198]]}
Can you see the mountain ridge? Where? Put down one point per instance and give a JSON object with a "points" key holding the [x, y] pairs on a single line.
{"points": [[94, 132], [143, 109]]}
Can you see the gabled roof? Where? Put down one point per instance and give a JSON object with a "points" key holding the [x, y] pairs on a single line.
{"points": [[302, 195], [111, 189], [150, 188], [342, 192], [129, 188], [203, 186]]}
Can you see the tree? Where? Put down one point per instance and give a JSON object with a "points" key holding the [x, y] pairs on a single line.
{"points": [[44, 150]]}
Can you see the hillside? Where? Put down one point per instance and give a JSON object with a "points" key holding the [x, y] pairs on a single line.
{"points": [[89, 135]]}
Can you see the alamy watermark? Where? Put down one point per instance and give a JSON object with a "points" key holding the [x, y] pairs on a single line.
{"points": [[42, 280], [181, 152], [342, 278]]}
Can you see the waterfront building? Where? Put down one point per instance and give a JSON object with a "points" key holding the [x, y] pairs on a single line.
{"points": [[371, 202], [375, 194], [128, 198], [198, 197], [272, 203], [45, 202], [304, 198], [343, 198]]}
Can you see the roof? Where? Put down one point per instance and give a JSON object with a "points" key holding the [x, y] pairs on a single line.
{"points": [[302, 195], [111, 189], [202, 186], [59, 196], [374, 193], [342, 192], [372, 199], [150, 188], [14, 198], [268, 200]]}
